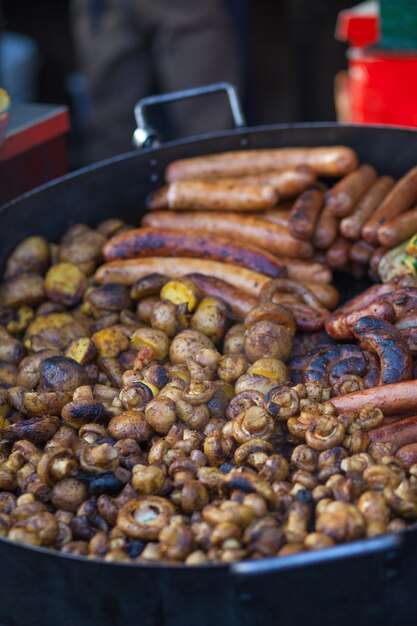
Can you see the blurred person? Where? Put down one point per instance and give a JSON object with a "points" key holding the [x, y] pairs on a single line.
{"points": [[129, 49]]}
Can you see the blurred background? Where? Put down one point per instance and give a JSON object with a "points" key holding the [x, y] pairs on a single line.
{"points": [[287, 55]]}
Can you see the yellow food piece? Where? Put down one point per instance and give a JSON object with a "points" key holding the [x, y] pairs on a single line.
{"points": [[155, 340], [24, 315], [110, 342], [274, 369], [181, 291], [81, 350], [412, 246], [65, 283], [152, 387], [52, 320]]}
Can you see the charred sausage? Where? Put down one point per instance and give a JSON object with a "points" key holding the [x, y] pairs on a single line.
{"points": [[146, 242], [329, 364], [381, 337], [239, 302]]}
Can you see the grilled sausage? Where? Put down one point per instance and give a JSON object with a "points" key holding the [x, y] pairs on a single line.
{"points": [[305, 212], [285, 285], [325, 161], [288, 183], [146, 242], [400, 433], [338, 325], [374, 262], [128, 271], [280, 215], [396, 399], [407, 455], [331, 363], [401, 198], [326, 294], [304, 304], [254, 230], [307, 271], [220, 196], [361, 252], [399, 229], [239, 302], [381, 337], [337, 256], [341, 199], [326, 230], [158, 199], [351, 226]]}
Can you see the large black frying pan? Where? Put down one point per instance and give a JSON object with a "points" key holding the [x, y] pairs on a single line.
{"points": [[362, 583]]}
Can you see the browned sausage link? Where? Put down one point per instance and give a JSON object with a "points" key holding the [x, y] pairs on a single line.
{"points": [[400, 433], [158, 199], [337, 324], [350, 226], [307, 271], [340, 325], [361, 252], [327, 295], [396, 399], [401, 198], [306, 307], [399, 229], [280, 215], [376, 258], [254, 230], [240, 302], [407, 455], [144, 242], [285, 285], [325, 161], [128, 271], [381, 337], [305, 212], [307, 318], [220, 196], [341, 199], [288, 183], [326, 230], [337, 255], [407, 325]]}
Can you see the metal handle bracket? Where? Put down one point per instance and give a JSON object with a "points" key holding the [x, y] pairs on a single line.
{"points": [[145, 136]]}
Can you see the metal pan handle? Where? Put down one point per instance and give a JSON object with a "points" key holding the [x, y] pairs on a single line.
{"points": [[145, 136]]}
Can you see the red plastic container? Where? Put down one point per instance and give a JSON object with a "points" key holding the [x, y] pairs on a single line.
{"points": [[382, 87]]}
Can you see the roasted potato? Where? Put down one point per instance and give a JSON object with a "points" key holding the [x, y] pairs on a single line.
{"points": [[31, 255]]}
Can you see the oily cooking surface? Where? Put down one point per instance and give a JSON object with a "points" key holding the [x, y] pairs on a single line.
{"points": [[149, 416]]}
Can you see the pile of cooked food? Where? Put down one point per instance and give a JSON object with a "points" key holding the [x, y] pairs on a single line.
{"points": [[189, 392]]}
